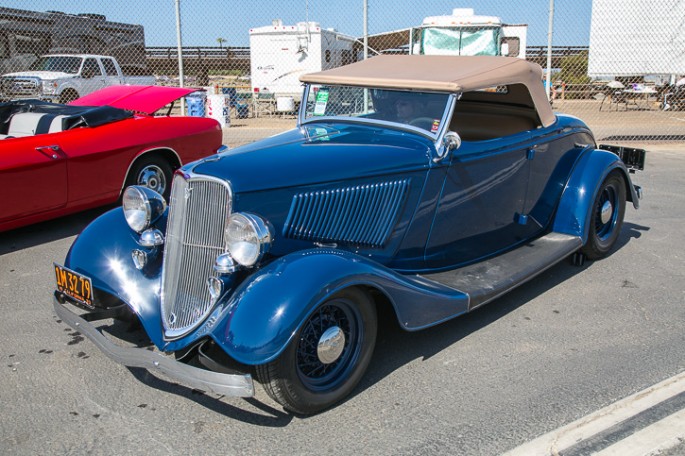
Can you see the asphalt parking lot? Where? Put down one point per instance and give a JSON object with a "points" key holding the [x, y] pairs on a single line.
{"points": [[572, 341]]}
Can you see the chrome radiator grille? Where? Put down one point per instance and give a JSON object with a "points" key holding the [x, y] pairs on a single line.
{"points": [[199, 208], [363, 215], [20, 86]]}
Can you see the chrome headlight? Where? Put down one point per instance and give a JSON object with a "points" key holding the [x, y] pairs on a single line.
{"points": [[142, 207], [248, 238], [49, 87]]}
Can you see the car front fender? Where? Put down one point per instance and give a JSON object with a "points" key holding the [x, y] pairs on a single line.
{"points": [[594, 165], [110, 266], [268, 308]]}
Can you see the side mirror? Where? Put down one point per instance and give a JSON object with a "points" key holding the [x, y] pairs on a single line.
{"points": [[510, 46], [451, 141]]}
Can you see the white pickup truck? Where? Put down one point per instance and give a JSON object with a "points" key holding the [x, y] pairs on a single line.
{"points": [[62, 78]]}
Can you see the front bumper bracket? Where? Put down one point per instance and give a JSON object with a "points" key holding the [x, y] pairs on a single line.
{"points": [[237, 385]]}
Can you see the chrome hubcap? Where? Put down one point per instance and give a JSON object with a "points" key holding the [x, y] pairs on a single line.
{"points": [[605, 213], [152, 177], [331, 345]]}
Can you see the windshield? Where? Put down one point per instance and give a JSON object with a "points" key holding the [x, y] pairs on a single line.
{"points": [[424, 110], [60, 64], [460, 41]]}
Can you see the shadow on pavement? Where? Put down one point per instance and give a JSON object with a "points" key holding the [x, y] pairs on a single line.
{"points": [[49, 231]]}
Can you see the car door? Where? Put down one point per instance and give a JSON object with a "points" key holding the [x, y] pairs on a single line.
{"points": [[33, 173], [552, 156], [92, 79], [111, 73], [481, 205]]}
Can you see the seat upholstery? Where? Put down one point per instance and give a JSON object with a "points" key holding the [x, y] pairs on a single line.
{"points": [[24, 124], [56, 124], [34, 123], [484, 126]]}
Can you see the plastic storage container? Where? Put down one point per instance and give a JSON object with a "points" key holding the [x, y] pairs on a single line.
{"points": [[219, 109], [195, 104]]}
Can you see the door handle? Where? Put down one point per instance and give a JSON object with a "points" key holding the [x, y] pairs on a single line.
{"points": [[53, 151]]}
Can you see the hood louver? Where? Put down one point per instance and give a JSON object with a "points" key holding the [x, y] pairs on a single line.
{"points": [[360, 215]]}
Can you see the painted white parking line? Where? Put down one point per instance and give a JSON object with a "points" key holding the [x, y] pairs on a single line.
{"points": [[659, 436], [584, 429]]}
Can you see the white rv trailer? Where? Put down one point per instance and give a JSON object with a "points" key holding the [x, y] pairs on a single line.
{"points": [[279, 54]]}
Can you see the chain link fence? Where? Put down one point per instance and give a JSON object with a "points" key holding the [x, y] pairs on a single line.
{"points": [[617, 64]]}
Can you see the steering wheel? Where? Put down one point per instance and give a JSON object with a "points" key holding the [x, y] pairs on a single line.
{"points": [[421, 122]]}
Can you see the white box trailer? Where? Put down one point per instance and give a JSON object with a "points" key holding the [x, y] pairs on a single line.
{"points": [[465, 33], [638, 39], [279, 54]]}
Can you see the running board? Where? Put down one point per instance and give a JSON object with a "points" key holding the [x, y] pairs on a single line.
{"points": [[486, 280]]}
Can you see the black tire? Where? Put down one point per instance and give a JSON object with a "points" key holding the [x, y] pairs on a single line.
{"points": [[153, 172], [68, 95], [606, 218], [300, 380]]}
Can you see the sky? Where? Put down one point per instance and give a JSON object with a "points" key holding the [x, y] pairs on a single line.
{"points": [[204, 21]]}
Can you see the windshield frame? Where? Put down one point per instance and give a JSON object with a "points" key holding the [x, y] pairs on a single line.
{"points": [[435, 137]]}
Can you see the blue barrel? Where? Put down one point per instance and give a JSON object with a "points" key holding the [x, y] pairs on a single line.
{"points": [[195, 105]]}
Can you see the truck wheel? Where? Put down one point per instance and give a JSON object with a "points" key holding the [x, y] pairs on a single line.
{"points": [[606, 217], [327, 356], [67, 96], [153, 172]]}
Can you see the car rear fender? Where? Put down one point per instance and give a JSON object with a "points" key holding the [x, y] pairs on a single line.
{"points": [[593, 166], [168, 154], [267, 309]]}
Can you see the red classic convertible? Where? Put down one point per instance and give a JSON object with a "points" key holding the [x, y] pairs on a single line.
{"points": [[58, 159]]}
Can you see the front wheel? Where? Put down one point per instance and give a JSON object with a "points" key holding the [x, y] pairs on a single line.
{"points": [[606, 217], [68, 95], [327, 356]]}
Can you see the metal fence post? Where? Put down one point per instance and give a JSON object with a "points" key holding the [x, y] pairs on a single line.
{"points": [[550, 32], [179, 44]]}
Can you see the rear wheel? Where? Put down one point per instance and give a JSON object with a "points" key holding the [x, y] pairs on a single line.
{"points": [[606, 218], [326, 358]]}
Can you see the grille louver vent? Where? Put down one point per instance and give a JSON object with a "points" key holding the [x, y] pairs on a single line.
{"points": [[361, 215]]}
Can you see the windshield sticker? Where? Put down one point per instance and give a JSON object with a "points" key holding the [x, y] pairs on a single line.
{"points": [[436, 125], [321, 134], [321, 101]]}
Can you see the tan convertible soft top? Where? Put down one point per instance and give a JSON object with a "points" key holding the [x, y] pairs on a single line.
{"points": [[441, 73]]}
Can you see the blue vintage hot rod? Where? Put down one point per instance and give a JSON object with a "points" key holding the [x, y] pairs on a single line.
{"points": [[433, 184]]}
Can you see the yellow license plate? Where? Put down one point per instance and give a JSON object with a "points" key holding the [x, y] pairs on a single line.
{"points": [[74, 285]]}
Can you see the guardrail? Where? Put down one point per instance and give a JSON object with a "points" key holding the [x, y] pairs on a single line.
{"points": [[198, 52]]}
